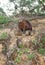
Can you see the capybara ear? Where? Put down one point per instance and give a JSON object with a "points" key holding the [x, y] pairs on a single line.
{"points": [[25, 25]]}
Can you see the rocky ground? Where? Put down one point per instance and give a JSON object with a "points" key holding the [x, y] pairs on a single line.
{"points": [[16, 50]]}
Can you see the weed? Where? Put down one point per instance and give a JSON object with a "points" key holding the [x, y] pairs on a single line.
{"points": [[14, 20], [18, 59], [31, 56], [4, 19], [43, 39], [21, 46], [35, 42], [4, 35], [40, 45], [41, 51], [26, 50], [20, 52]]}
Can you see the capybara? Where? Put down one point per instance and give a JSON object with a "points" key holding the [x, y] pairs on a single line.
{"points": [[24, 26]]}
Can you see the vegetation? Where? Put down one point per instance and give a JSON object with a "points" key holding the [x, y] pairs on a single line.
{"points": [[41, 51], [35, 42], [34, 7], [21, 46], [40, 46], [43, 39], [26, 50], [31, 56], [13, 19], [4, 19], [18, 59], [2, 11], [4, 35], [20, 52], [30, 5]]}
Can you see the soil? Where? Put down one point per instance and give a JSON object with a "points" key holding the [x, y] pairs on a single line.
{"points": [[38, 28]]}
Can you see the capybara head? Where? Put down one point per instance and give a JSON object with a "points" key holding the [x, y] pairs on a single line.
{"points": [[25, 25]]}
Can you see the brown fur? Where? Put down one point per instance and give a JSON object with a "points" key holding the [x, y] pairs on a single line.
{"points": [[24, 25]]}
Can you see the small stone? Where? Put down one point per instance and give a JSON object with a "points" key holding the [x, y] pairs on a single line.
{"points": [[24, 57], [2, 59], [1, 47]]}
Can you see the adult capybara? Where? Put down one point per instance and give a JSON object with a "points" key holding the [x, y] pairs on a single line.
{"points": [[25, 25]]}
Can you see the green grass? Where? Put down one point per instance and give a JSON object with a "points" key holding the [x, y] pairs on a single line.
{"points": [[4, 19], [40, 45], [26, 50], [35, 42], [41, 51], [43, 39], [20, 52], [1, 27], [3, 35], [31, 56], [14, 20], [21, 46], [18, 59]]}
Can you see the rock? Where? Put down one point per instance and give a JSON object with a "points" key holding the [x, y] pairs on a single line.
{"points": [[18, 42], [40, 59], [24, 57], [1, 48], [10, 63], [3, 59], [14, 55]]}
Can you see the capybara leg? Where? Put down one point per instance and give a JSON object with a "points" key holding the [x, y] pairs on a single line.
{"points": [[29, 32], [23, 31]]}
